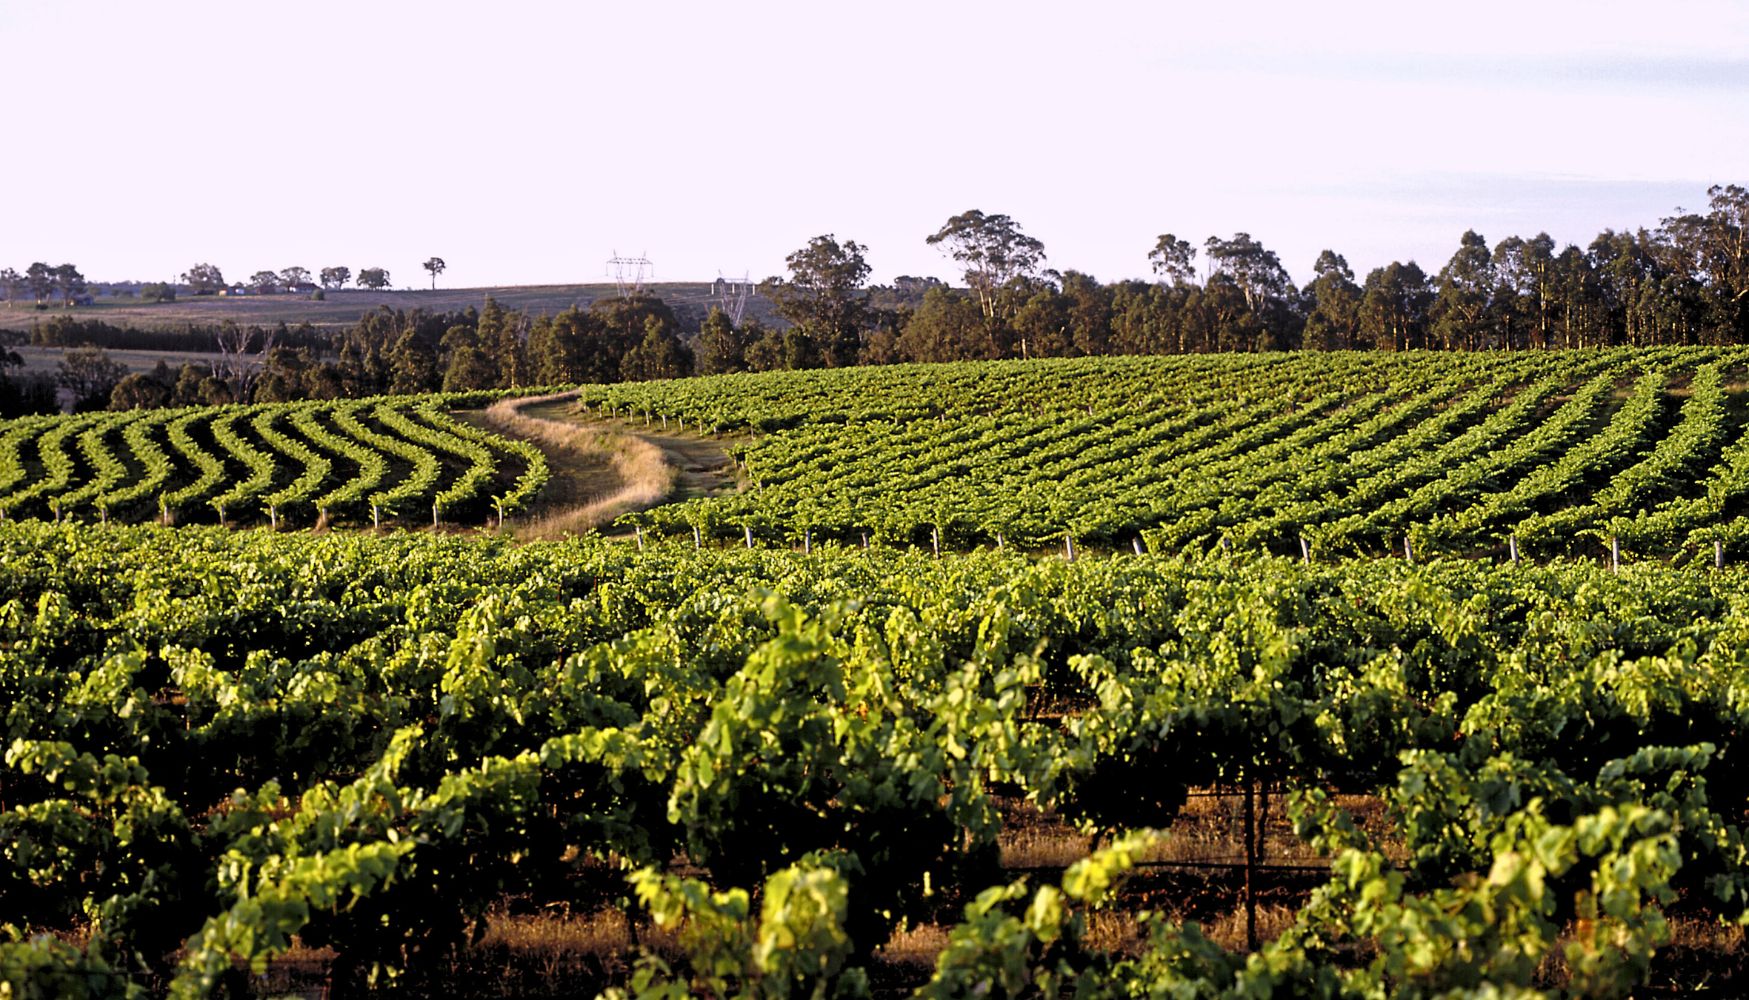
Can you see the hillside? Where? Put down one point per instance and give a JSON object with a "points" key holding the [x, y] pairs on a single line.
{"points": [[343, 308], [1111, 670], [1540, 452]]}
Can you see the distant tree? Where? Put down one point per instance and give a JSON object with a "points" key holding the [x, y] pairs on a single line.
{"points": [[1256, 270], [720, 346], [204, 279], [993, 251], [292, 277], [824, 296], [1174, 259], [186, 390], [435, 265], [11, 285], [1523, 296], [1334, 319], [90, 375], [242, 351], [70, 283], [1466, 286], [336, 277], [560, 348], [1394, 307], [413, 364], [621, 326], [1707, 256], [373, 278], [158, 291], [1042, 325], [139, 391], [948, 326], [264, 282], [468, 368], [504, 336], [659, 355], [41, 279], [769, 351]]}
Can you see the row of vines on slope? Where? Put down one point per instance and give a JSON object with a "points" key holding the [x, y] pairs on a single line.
{"points": [[1350, 454], [297, 463]]}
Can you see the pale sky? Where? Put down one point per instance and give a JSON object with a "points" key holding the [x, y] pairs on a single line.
{"points": [[526, 142]]}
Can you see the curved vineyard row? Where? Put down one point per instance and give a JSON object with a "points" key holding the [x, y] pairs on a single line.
{"points": [[279, 463]]}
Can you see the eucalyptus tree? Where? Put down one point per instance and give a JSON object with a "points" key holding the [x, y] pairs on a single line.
{"points": [[993, 251], [825, 296]]}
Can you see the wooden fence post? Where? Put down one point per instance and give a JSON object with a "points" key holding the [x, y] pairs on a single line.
{"points": [[1250, 863]]}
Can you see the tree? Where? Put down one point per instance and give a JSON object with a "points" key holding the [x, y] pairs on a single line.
{"points": [[11, 285], [413, 364], [1712, 252], [948, 326], [1257, 273], [41, 279], [335, 278], [203, 279], [469, 365], [264, 282], [993, 251], [1466, 284], [1523, 297], [659, 355], [1334, 320], [824, 296], [373, 278], [139, 391], [70, 283], [720, 347], [1174, 259], [1393, 307], [435, 265], [241, 351], [90, 375], [292, 277]]}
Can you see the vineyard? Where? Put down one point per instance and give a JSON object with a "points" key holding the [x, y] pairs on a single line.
{"points": [[224, 745], [1326, 675], [404, 459], [1635, 452], [1351, 453]]}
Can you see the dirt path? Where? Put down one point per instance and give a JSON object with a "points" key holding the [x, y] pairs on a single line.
{"points": [[702, 465], [601, 469]]}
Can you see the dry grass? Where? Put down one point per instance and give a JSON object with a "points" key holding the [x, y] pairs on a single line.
{"points": [[597, 474], [347, 306]]}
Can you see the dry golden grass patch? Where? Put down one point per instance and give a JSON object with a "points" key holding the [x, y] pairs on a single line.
{"points": [[597, 474]]}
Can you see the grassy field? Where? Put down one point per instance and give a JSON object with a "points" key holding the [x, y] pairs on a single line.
{"points": [[47, 360], [343, 308]]}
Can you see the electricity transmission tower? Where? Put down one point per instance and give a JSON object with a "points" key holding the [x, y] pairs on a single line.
{"points": [[732, 296], [630, 273]]}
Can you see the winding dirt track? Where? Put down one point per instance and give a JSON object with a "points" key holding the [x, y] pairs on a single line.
{"points": [[601, 469]]}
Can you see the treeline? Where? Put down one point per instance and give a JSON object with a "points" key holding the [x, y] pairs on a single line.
{"points": [[1684, 282]]}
